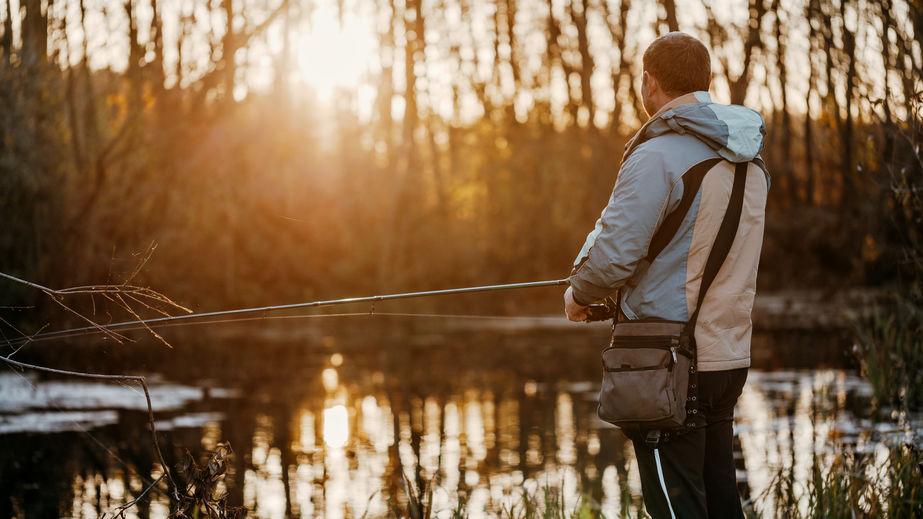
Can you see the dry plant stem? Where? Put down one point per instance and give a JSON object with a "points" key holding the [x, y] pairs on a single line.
{"points": [[135, 378], [123, 288], [140, 302], [140, 295], [23, 344], [122, 509], [27, 283], [131, 310], [119, 338], [146, 256]]}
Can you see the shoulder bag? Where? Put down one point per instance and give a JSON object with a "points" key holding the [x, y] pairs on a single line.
{"points": [[649, 368]]}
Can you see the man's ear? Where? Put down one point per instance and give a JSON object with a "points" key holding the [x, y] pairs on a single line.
{"points": [[653, 86]]}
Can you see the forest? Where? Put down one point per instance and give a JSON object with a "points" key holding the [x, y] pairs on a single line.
{"points": [[271, 151], [166, 155]]}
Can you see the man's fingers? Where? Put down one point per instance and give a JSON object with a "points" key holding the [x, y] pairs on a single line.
{"points": [[576, 314], [572, 310]]}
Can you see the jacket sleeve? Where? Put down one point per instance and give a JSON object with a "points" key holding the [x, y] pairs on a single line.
{"points": [[624, 230]]}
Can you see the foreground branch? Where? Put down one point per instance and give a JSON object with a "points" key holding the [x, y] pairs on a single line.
{"points": [[122, 378]]}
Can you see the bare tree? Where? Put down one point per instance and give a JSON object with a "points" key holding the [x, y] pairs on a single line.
{"points": [[34, 33], [624, 72], [578, 16], [669, 7]]}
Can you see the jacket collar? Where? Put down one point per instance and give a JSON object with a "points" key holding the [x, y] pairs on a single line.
{"points": [[685, 99]]}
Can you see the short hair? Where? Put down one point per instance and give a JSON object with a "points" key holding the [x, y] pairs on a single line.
{"points": [[680, 63]]}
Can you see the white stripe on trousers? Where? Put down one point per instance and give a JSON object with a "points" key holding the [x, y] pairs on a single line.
{"points": [[663, 484]]}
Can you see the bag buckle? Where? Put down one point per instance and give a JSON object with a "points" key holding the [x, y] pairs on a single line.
{"points": [[652, 438]]}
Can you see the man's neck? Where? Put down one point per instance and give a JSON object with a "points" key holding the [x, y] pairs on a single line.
{"points": [[673, 102]]}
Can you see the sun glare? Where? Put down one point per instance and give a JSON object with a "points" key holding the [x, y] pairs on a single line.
{"points": [[335, 56]]}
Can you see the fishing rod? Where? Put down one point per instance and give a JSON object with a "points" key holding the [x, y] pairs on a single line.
{"points": [[264, 309]]}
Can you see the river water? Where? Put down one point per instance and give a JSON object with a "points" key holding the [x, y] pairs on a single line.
{"points": [[324, 419]]}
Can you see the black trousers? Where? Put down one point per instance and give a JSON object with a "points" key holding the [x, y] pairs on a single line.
{"points": [[693, 476]]}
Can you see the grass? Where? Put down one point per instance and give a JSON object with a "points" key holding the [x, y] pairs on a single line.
{"points": [[549, 504], [887, 484], [543, 503], [890, 351], [854, 486]]}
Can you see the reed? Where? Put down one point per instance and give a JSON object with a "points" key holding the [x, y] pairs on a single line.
{"points": [[545, 502], [886, 484], [852, 485], [889, 347]]}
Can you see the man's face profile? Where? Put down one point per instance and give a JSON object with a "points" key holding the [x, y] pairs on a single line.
{"points": [[646, 93]]}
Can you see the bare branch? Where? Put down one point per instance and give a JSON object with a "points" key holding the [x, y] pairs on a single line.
{"points": [[122, 509], [109, 333], [28, 338], [134, 378], [131, 310]]}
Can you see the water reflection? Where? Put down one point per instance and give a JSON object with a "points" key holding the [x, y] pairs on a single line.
{"points": [[336, 433], [336, 427]]}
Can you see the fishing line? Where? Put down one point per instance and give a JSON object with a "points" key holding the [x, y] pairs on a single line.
{"points": [[204, 318], [157, 322], [159, 326]]}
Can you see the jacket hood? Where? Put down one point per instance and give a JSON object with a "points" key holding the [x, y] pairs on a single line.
{"points": [[734, 132]]}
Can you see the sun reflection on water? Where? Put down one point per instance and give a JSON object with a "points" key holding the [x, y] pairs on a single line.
{"points": [[340, 449], [336, 426]]}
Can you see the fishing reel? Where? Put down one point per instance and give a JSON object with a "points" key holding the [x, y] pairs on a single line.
{"points": [[601, 311]]}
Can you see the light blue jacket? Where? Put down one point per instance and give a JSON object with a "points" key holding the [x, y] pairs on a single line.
{"points": [[689, 136]]}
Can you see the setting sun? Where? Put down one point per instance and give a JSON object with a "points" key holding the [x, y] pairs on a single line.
{"points": [[334, 53]]}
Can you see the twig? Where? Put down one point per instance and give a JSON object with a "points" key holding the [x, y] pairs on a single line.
{"points": [[28, 340], [119, 338], [146, 256], [146, 305], [135, 378], [101, 289], [143, 296], [131, 310], [27, 283], [122, 509]]}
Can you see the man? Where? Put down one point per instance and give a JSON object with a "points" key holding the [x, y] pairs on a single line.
{"points": [[687, 140]]}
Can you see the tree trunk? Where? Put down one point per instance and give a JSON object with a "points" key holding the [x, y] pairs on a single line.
{"points": [[514, 43], [6, 43], [617, 32], [786, 127], [135, 54], [185, 21], [586, 59], [887, 23], [669, 6], [555, 56], [739, 86], [34, 33], [850, 182], [228, 50], [156, 34]]}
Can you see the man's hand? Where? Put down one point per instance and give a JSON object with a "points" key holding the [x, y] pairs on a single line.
{"points": [[575, 312]]}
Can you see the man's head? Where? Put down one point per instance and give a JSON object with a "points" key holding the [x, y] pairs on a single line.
{"points": [[674, 64]]}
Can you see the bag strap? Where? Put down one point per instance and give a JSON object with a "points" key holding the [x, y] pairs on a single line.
{"points": [[692, 180], [719, 252], [723, 240]]}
